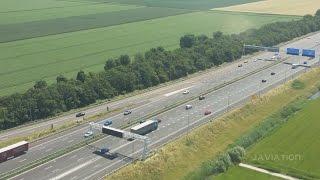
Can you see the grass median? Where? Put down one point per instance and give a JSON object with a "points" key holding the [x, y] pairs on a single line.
{"points": [[180, 157]]}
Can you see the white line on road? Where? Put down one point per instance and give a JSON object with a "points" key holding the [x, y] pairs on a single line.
{"points": [[177, 91], [74, 169], [266, 171]]}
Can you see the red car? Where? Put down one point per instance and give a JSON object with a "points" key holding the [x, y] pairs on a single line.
{"points": [[207, 112]]}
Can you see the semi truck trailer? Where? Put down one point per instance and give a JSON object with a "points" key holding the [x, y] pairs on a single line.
{"points": [[13, 150], [145, 128]]}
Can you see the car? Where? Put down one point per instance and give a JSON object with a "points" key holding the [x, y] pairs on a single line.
{"points": [[88, 134], [259, 59], [127, 112], [207, 112], [273, 73], [188, 106], [142, 121], [255, 60], [80, 114], [263, 81], [240, 65], [107, 123], [201, 97], [245, 62], [186, 92], [305, 62]]}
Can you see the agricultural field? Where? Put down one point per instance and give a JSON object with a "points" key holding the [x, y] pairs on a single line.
{"points": [[294, 148], [288, 7], [183, 4], [67, 53], [240, 173]]}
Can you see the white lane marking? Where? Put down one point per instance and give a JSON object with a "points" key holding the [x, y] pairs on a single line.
{"points": [[22, 160], [74, 169], [266, 171], [177, 91], [48, 167]]}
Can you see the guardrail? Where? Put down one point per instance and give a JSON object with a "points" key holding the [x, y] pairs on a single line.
{"points": [[76, 146]]}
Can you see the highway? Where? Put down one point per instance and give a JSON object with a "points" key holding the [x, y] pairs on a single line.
{"points": [[82, 163]]}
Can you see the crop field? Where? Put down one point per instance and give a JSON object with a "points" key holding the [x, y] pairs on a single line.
{"points": [[240, 173], [288, 7], [23, 62], [183, 4], [294, 148]]}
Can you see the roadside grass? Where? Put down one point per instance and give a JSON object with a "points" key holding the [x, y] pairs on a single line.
{"points": [[240, 173], [288, 7], [178, 158], [88, 50], [294, 148]]}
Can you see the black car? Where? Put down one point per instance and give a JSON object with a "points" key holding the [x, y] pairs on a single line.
{"points": [[201, 97], [264, 81], [80, 114], [273, 73], [240, 65]]}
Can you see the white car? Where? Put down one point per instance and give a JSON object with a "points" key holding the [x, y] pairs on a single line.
{"points": [[186, 92], [88, 134], [188, 106]]}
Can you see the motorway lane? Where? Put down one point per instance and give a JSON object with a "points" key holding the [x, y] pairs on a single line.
{"points": [[93, 166], [56, 142]]}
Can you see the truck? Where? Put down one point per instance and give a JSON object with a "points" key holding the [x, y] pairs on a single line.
{"points": [[13, 150], [145, 128]]}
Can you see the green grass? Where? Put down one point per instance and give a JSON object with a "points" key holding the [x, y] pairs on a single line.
{"points": [[23, 62], [294, 148], [240, 173], [20, 31], [15, 17], [184, 4]]}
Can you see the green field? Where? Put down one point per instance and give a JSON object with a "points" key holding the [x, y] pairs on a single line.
{"points": [[183, 4], [23, 62], [240, 173], [294, 148]]}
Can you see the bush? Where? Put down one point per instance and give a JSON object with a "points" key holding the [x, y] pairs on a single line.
{"points": [[296, 84], [236, 154]]}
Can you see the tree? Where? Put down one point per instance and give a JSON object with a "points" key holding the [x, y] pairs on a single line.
{"points": [[109, 64], [61, 78], [187, 41], [40, 84], [124, 60], [81, 76]]}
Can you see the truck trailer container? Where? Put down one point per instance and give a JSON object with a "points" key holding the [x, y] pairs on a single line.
{"points": [[145, 128], [13, 150]]}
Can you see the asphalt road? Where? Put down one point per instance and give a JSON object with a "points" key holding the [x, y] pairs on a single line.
{"points": [[83, 163]]}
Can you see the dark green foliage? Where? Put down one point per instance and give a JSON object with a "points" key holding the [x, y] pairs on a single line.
{"points": [[187, 41], [157, 65], [296, 84], [236, 154]]}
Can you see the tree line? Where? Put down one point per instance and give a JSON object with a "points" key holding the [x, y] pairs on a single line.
{"points": [[125, 74]]}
